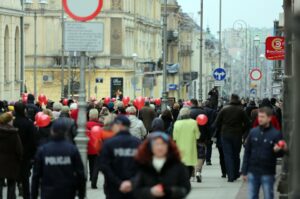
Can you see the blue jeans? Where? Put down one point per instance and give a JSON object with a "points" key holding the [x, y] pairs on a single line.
{"points": [[254, 183], [231, 149]]}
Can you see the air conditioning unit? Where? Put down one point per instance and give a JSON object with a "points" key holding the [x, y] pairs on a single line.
{"points": [[47, 78]]}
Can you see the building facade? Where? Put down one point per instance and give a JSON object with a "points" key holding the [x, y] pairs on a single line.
{"points": [[10, 49], [130, 28]]}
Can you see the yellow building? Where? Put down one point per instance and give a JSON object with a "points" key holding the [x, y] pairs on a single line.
{"points": [[10, 49], [130, 27]]}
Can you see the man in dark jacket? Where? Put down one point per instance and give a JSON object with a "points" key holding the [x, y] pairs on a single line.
{"points": [[147, 115], [31, 108], [58, 167], [233, 122], [211, 114], [27, 132], [261, 151], [10, 155], [117, 161]]}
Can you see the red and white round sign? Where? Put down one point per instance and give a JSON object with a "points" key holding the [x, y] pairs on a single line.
{"points": [[256, 74], [82, 10]]}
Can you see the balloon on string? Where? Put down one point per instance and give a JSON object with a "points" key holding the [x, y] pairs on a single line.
{"points": [[24, 99], [202, 119], [95, 130], [140, 103], [65, 102], [42, 98], [43, 121], [38, 115], [126, 100], [158, 102], [106, 100]]}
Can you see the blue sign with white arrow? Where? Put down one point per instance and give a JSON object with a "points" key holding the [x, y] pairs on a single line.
{"points": [[219, 74], [253, 91]]}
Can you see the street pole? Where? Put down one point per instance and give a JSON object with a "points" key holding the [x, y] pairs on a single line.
{"points": [[35, 55], [220, 42], [89, 83], [165, 53], [69, 76], [135, 79], [62, 53], [295, 147], [81, 140], [201, 52]]}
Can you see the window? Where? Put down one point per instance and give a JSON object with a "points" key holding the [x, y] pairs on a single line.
{"points": [[17, 54], [6, 55]]}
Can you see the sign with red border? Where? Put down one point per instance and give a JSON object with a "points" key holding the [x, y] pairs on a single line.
{"points": [[77, 15], [275, 48], [256, 74]]}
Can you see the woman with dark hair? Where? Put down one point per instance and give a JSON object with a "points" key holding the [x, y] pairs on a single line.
{"points": [[167, 117], [161, 173]]}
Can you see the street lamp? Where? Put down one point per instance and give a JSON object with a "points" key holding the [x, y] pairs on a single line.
{"points": [[165, 56], [29, 9], [244, 26], [134, 57], [256, 44]]}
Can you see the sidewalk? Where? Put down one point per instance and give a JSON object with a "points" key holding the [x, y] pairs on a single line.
{"points": [[212, 187]]}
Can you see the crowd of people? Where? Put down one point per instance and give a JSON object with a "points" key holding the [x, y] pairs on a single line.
{"points": [[142, 151]]}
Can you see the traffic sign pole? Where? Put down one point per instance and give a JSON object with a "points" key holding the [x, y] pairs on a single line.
{"points": [[82, 11]]}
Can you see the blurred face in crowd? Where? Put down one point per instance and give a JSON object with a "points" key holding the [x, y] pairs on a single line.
{"points": [[159, 148], [116, 128], [263, 119]]}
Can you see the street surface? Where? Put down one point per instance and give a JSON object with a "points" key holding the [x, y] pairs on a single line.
{"points": [[212, 187]]}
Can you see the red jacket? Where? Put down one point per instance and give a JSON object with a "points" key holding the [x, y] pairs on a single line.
{"points": [[93, 143], [275, 123]]}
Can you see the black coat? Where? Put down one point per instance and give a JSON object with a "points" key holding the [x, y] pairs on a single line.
{"points": [[232, 120], [10, 152], [27, 133], [59, 170], [117, 163], [174, 177]]}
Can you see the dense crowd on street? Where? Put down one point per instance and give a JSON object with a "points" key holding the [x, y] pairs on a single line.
{"points": [[142, 150]]}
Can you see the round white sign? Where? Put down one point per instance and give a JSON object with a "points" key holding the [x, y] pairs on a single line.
{"points": [[82, 10], [256, 74]]}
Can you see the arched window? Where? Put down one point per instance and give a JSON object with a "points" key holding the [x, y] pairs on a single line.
{"points": [[17, 54], [6, 55]]}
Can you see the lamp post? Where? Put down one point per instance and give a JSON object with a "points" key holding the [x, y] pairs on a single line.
{"points": [[165, 53], [29, 9], [256, 44], [134, 57], [201, 52], [262, 59], [244, 26], [62, 53]]}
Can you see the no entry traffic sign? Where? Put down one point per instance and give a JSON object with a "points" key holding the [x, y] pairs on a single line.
{"points": [[82, 10], [256, 74]]}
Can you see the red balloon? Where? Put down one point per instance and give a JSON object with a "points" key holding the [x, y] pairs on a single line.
{"points": [[126, 100], [113, 99], [187, 103], [65, 102], [158, 102], [43, 121], [152, 100], [24, 94], [95, 130], [202, 119], [281, 144], [140, 103], [107, 100], [38, 115], [42, 98]]}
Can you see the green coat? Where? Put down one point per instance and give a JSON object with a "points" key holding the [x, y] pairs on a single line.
{"points": [[186, 133]]}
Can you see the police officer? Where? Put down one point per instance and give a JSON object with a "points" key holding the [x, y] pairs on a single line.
{"points": [[58, 167], [117, 161]]}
